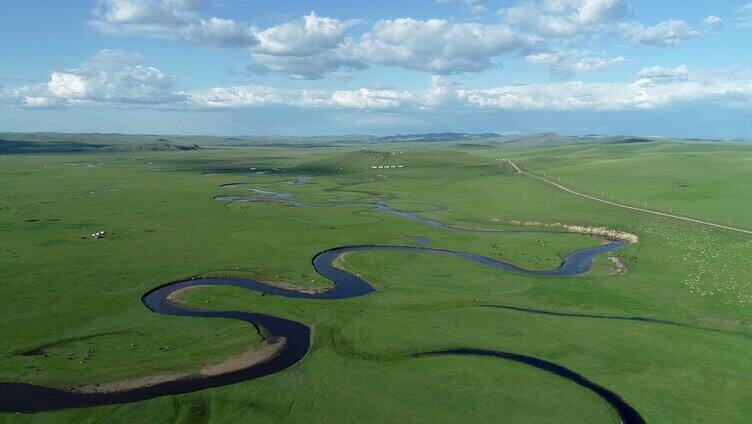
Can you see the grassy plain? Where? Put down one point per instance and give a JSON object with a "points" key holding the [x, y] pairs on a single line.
{"points": [[690, 179], [78, 299]]}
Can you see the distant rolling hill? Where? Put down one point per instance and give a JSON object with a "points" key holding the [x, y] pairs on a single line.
{"points": [[161, 145], [437, 137], [40, 143]]}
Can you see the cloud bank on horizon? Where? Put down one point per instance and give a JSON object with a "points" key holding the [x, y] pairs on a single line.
{"points": [[615, 58]]}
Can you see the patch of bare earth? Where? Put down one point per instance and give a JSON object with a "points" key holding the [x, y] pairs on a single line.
{"points": [[130, 384], [604, 232], [619, 267], [253, 356], [580, 229], [175, 295], [292, 286], [339, 262]]}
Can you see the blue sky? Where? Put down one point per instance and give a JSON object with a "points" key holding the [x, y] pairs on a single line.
{"points": [[671, 68]]}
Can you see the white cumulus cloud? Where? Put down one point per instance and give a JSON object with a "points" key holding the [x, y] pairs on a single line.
{"points": [[666, 33], [668, 88], [564, 65], [566, 18], [662, 75], [261, 95], [302, 37], [437, 46], [169, 19], [607, 96], [241, 96], [113, 78], [66, 85], [365, 98], [110, 76], [308, 47], [712, 23], [313, 46]]}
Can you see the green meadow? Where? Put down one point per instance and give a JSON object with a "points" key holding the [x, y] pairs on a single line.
{"points": [[78, 299]]}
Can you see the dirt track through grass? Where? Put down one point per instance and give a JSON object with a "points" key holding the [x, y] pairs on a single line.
{"points": [[620, 205]]}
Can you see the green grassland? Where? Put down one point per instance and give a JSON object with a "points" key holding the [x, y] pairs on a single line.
{"points": [[79, 299], [690, 179]]}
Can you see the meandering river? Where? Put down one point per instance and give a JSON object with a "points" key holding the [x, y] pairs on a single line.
{"points": [[28, 398]]}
